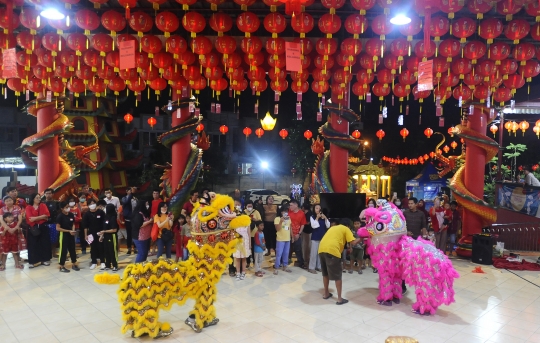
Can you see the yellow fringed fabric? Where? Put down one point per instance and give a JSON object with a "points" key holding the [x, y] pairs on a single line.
{"points": [[107, 279]]}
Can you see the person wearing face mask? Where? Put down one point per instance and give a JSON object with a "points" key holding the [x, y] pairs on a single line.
{"points": [[83, 206], [164, 221], [141, 227], [65, 224], [108, 236], [76, 211], [128, 203], [283, 240], [237, 211], [255, 216], [92, 223], [110, 199], [370, 204]]}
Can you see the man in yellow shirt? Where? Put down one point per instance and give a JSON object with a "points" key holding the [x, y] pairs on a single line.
{"points": [[330, 248]]}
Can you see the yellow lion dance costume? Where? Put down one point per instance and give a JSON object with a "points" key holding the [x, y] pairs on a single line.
{"points": [[149, 287]]}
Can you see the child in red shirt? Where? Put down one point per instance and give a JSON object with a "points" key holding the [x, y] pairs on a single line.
{"points": [[10, 241]]}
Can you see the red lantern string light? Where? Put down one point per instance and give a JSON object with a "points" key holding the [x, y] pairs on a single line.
{"points": [[356, 134], [200, 127], [128, 118], [223, 129], [152, 121], [380, 134], [404, 133], [428, 132], [308, 134], [283, 133], [446, 149], [453, 145], [259, 132], [493, 128]]}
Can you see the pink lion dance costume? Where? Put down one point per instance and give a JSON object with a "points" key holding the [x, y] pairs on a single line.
{"points": [[399, 257]]}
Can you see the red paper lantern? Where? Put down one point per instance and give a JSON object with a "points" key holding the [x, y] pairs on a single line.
{"points": [[87, 20], [223, 129], [401, 91], [220, 22], [502, 95], [523, 52], [53, 42], [275, 23], [113, 21], [356, 134], [128, 118], [380, 134], [446, 149], [450, 48], [380, 90], [490, 29], [450, 7], [259, 132], [167, 22], [283, 133], [248, 23], [479, 7], [356, 24], [128, 5], [141, 22], [152, 121], [308, 134], [200, 127], [474, 50], [400, 47], [461, 66], [420, 49], [517, 29], [247, 131], [514, 82], [462, 91], [463, 28], [493, 128], [411, 29], [102, 42], [404, 133], [329, 24], [320, 87], [326, 46], [481, 92], [508, 8], [117, 85], [381, 25], [193, 22], [508, 66], [428, 132], [438, 27], [5, 22]]}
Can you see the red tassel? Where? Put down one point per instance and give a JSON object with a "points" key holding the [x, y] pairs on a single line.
{"points": [[128, 13], [427, 24]]}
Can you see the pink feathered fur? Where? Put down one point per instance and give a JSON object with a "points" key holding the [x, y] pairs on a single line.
{"points": [[420, 264]]}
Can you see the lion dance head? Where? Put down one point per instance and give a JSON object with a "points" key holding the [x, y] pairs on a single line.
{"points": [[383, 222]]}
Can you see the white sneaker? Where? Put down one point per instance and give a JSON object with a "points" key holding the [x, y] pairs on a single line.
{"points": [[102, 266], [93, 266]]}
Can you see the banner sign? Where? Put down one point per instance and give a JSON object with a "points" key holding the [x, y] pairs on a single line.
{"points": [[292, 56], [425, 76], [127, 54], [519, 199]]}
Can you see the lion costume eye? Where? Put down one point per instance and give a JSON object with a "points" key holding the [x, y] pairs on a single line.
{"points": [[379, 226]]}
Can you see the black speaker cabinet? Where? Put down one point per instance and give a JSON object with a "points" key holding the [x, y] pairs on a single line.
{"points": [[482, 249]]}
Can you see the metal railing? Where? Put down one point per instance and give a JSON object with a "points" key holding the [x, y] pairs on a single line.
{"points": [[516, 236]]}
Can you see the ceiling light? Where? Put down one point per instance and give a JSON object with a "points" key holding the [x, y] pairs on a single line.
{"points": [[52, 13], [400, 19]]}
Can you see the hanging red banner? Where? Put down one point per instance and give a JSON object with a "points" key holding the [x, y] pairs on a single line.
{"points": [[127, 54], [9, 64], [292, 56], [425, 76]]}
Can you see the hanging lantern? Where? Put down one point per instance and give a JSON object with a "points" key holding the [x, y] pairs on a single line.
{"points": [[308, 134], [200, 127], [380, 134], [356, 134], [536, 130], [223, 129], [493, 128], [508, 126], [451, 131], [128, 118], [259, 132], [283, 133], [152, 121], [404, 133], [514, 126], [453, 145], [247, 131], [428, 132], [446, 149], [524, 125], [268, 123]]}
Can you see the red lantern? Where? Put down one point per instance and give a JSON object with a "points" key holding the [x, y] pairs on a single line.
{"points": [[404, 133], [141, 22], [490, 29], [461, 66], [446, 149], [8, 20], [158, 84], [463, 92], [167, 22], [502, 95], [401, 91], [421, 95], [283, 133], [329, 24], [493, 128], [438, 27], [374, 48], [356, 134], [514, 82], [481, 92], [450, 48], [381, 25], [193, 22], [420, 49], [102, 42], [523, 52], [223, 129], [450, 7], [53, 42], [87, 20], [308, 134], [508, 8], [411, 29], [463, 28], [380, 90], [259, 132], [219, 85], [428, 132], [399, 48], [507, 67], [113, 21], [152, 121], [380, 134], [363, 5], [474, 50], [320, 87], [128, 118], [479, 7], [247, 131], [517, 29], [248, 23], [200, 127], [356, 24], [275, 23], [220, 22], [326, 46]]}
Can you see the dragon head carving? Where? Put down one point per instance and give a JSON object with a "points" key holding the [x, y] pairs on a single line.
{"points": [[78, 154]]}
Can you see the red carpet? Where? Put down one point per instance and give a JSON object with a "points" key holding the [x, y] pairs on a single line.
{"points": [[502, 263]]}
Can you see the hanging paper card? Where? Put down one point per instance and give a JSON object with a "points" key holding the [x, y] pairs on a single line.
{"points": [[298, 96], [420, 120], [156, 111], [441, 122], [27, 95], [197, 112], [292, 56], [460, 101], [368, 97], [323, 99], [380, 118], [276, 109], [178, 114], [139, 97], [169, 105], [299, 116], [392, 100], [9, 63], [276, 96], [49, 96], [438, 101], [298, 107], [512, 104], [191, 107], [218, 108], [185, 92], [385, 112], [256, 110], [71, 96], [488, 102], [230, 92], [407, 110], [127, 54], [319, 116], [438, 111], [212, 108], [471, 109], [425, 76], [400, 120]]}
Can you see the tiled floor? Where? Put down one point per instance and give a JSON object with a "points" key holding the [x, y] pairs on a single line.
{"points": [[43, 305]]}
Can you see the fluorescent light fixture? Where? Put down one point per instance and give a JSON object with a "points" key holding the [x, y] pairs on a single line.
{"points": [[264, 165], [52, 13], [400, 19]]}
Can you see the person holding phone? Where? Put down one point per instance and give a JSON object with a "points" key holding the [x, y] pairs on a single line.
{"points": [[164, 221], [283, 240]]}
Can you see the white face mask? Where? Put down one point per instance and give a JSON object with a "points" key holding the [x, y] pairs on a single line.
{"points": [[398, 203], [92, 207], [238, 207], [71, 203], [285, 214], [163, 211], [147, 206], [249, 208], [370, 205]]}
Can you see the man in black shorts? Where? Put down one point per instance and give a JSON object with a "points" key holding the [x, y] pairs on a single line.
{"points": [[330, 250]]}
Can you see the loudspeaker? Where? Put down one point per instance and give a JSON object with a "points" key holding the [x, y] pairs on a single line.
{"points": [[482, 249]]}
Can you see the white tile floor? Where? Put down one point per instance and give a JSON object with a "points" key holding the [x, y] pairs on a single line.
{"points": [[43, 305]]}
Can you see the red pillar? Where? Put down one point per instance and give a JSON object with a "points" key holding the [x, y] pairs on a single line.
{"points": [[180, 149], [339, 157], [47, 171], [475, 163]]}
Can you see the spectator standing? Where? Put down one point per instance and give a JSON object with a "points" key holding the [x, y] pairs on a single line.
{"points": [[127, 210], [92, 223], [306, 233], [39, 246], [52, 206], [242, 252], [357, 251], [330, 248], [141, 226], [13, 193], [530, 179], [298, 220], [65, 224], [283, 240], [421, 206], [319, 224], [156, 200], [437, 219], [110, 199], [108, 235], [415, 219], [83, 206], [270, 212], [237, 211], [258, 248], [454, 227], [10, 236], [238, 196], [182, 235], [255, 216], [164, 221], [190, 204]]}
